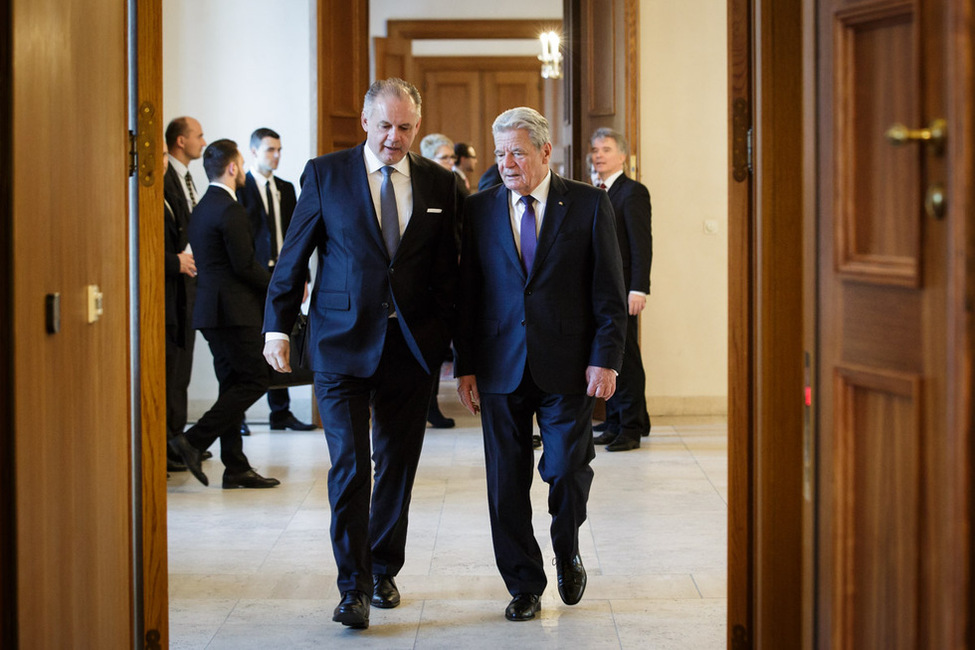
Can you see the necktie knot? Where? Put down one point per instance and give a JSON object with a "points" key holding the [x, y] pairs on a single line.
{"points": [[602, 185]]}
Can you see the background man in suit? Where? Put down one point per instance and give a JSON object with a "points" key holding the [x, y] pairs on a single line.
{"points": [[184, 143], [626, 411], [178, 262], [232, 287], [270, 202], [465, 159], [542, 318], [381, 317]]}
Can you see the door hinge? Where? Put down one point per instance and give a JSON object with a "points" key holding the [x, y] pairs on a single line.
{"points": [[751, 168], [142, 153], [133, 155], [741, 141]]}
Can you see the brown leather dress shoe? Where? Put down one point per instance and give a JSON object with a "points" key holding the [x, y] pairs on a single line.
{"points": [[353, 610], [385, 595], [248, 479], [523, 607]]}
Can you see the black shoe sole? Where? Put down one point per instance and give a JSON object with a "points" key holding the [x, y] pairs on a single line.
{"points": [[350, 620]]}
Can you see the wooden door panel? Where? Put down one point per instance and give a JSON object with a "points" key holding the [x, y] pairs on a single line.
{"points": [[452, 104], [877, 213], [877, 462], [73, 457]]}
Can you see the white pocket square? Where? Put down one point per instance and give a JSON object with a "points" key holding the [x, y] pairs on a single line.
{"points": [[435, 210]]}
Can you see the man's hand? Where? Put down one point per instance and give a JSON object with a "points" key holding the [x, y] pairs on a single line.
{"points": [[602, 382], [187, 265], [637, 303], [278, 354], [467, 390]]}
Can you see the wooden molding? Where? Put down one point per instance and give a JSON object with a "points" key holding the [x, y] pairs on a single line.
{"points": [[469, 29]]}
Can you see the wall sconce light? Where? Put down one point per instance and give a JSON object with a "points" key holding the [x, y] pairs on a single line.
{"points": [[551, 56]]}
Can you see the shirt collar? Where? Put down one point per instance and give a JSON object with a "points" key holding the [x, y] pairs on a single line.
{"points": [[260, 178], [540, 193], [225, 188], [374, 164], [178, 166], [612, 179]]}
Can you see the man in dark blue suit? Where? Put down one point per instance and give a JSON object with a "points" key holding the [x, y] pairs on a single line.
{"points": [[381, 319], [542, 318], [627, 419], [270, 202], [230, 300]]}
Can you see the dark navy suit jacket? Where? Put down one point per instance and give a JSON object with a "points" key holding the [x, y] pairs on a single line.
{"points": [[357, 282], [567, 314]]}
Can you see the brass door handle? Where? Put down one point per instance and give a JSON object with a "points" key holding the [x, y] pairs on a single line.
{"points": [[935, 135]]}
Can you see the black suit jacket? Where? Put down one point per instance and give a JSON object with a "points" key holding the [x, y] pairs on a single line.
{"points": [[357, 283], [631, 203], [175, 223], [567, 313], [264, 238], [231, 284]]}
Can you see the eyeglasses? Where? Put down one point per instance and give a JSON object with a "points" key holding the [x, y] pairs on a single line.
{"points": [[450, 157]]}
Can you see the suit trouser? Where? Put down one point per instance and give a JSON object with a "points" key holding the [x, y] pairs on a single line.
{"points": [[279, 401], [176, 392], [373, 540], [626, 410], [243, 374], [567, 450]]}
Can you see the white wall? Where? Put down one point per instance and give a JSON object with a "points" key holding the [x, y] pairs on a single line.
{"points": [[684, 162], [237, 65]]}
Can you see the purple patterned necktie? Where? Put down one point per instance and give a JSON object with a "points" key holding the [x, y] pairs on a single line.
{"points": [[528, 237]]}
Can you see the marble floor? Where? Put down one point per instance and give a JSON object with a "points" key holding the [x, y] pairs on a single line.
{"points": [[254, 568]]}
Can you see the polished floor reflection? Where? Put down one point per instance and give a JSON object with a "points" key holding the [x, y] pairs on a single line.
{"points": [[253, 568]]}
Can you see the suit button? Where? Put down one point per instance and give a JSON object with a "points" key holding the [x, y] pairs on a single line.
{"points": [[391, 270], [385, 305], [528, 292], [522, 323]]}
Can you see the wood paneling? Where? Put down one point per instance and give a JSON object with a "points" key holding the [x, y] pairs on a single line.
{"points": [[343, 72], [71, 396], [8, 546], [741, 348], [154, 626]]}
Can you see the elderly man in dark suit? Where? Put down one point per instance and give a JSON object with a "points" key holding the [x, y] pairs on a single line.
{"points": [[230, 301], [381, 318], [542, 318], [270, 202], [626, 411]]}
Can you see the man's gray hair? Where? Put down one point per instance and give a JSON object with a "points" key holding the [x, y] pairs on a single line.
{"points": [[430, 143], [392, 87], [606, 132], [526, 118]]}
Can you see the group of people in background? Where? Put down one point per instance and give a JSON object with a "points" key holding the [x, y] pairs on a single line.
{"points": [[221, 248], [536, 280]]}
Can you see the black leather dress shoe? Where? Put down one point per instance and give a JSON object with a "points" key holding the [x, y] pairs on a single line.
{"points": [[438, 421], [244, 429], [190, 456], [536, 441], [174, 465], [523, 607], [384, 592], [207, 455], [605, 438], [623, 444], [602, 426], [353, 610], [289, 421], [572, 579], [248, 479]]}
